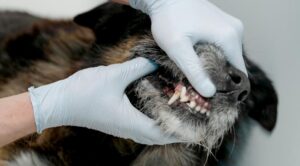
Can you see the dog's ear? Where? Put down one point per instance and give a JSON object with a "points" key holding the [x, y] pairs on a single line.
{"points": [[262, 101], [112, 22], [99, 15]]}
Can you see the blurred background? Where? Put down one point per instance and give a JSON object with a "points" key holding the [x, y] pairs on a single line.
{"points": [[272, 39]]}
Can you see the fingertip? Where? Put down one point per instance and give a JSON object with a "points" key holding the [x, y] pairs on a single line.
{"points": [[206, 88], [240, 64], [137, 68], [235, 57], [143, 66], [244, 69]]}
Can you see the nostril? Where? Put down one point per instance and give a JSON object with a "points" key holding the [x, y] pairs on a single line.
{"points": [[235, 78], [242, 96]]}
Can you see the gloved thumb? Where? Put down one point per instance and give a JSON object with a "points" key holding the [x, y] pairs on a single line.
{"points": [[135, 69], [234, 52]]}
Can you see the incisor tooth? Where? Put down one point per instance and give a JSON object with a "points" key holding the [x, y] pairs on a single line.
{"points": [[198, 108], [192, 104], [183, 96], [203, 110], [175, 97], [184, 99]]}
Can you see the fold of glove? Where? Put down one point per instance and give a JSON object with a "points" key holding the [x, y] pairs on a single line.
{"points": [[94, 98], [179, 24]]}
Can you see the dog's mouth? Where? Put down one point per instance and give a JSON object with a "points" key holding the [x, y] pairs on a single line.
{"points": [[180, 94], [167, 96]]}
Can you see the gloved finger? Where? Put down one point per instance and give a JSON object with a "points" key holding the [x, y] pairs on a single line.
{"points": [[134, 69], [234, 53], [146, 129], [187, 60]]}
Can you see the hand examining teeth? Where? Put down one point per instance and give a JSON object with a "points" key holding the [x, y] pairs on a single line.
{"points": [[179, 24], [95, 98]]}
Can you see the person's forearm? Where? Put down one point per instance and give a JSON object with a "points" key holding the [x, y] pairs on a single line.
{"points": [[16, 118], [121, 1]]}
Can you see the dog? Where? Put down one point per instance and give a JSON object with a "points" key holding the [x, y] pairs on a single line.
{"points": [[38, 51]]}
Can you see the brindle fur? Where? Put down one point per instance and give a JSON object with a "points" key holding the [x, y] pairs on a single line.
{"points": [[43, 51]]}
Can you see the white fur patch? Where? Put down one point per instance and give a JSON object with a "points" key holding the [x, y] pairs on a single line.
{"points": [[173, 125], [28, 158]]}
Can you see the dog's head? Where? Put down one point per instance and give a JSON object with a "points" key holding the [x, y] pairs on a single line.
{"points": [[167, 96]]}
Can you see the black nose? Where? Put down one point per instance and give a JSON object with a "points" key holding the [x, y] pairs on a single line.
{"points": [[238, 83]]}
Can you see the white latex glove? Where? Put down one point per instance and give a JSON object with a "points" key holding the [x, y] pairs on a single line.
{"points": [[179, 24], [94, 98]]}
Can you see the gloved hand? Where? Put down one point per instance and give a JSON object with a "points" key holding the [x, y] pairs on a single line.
{"points": [[94, 98], [179, 24]]}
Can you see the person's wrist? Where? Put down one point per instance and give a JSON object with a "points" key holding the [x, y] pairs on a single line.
{"points": [[29, 108], [46, 102]]}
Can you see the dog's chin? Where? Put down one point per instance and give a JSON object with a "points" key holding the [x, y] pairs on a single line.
{"points": [[200, 125]]}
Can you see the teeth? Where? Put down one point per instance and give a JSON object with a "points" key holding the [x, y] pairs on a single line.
{"points": [[203, 110], [183, 96], [184, 99], [192, 104], [197, 103], [175, 97]]}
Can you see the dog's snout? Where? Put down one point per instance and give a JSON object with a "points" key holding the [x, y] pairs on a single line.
{"points": [[235, 77], [239, 83]]}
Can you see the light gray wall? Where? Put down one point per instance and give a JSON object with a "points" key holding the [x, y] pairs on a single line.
{"points": [[50, 8], [272, 39]]}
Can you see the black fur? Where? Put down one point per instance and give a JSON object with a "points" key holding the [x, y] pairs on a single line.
{"points": [[113, 23]]}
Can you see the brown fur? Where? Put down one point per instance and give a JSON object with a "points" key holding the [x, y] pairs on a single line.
{"points": [[66, 42]]}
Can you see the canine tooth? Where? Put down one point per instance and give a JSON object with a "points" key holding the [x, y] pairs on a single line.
{"points": [[198, 108], [192, 104], [183, 96], [203, 110], [184, 99], [183, 92], [175, 97]]}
